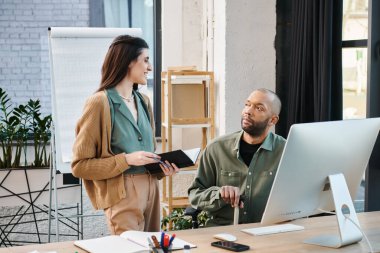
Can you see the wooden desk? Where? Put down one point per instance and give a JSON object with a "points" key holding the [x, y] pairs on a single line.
{"points": [[284, 242]]}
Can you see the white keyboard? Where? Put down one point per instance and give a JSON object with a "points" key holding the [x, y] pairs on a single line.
{"points": [[267, 230]]}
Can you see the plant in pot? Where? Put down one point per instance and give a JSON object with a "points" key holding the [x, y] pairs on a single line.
{"points": [[182, 221], [25, 175], [24, 183], [20, 125]]}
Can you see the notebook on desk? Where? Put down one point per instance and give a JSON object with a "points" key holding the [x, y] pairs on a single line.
{"points": [[267, 230], [112, 243], [127, 242]]}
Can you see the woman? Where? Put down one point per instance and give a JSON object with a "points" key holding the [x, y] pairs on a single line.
{"points": [[115, 139]]}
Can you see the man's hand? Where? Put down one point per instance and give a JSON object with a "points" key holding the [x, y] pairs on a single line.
{"points": [[231, 195]]}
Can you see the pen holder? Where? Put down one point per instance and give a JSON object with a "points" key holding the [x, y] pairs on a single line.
{"points": [[167, 249], [162, 250]]}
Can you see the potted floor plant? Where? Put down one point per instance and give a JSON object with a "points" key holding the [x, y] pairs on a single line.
{"points": [[24, 134], [25, 162], [24, 184], [181, 221], [19, 126]]}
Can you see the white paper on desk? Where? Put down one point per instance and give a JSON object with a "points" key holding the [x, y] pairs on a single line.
{"points": [[110, 244], [36, 251], [140, 238]]}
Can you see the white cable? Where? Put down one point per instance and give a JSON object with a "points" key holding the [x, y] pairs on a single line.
{"points": [[356, 225], [364, 235], [324, 211]]}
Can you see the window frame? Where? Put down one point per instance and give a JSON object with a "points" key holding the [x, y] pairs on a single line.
{"points": [[372, 185], [97, 19], [157, 65]]}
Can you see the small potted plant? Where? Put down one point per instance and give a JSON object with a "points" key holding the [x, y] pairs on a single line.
{"points": [[23, 128], [181, 221], [26, 173], [19, 126]]}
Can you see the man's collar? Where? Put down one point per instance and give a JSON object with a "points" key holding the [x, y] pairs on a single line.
{"points": [[267, 143], [237, 141]]}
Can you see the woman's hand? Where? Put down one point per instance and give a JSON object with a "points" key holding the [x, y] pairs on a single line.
{"points": [[139, 158], [169, 169]]}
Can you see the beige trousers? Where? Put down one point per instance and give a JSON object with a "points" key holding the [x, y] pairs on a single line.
{"points": [[140, 209]]}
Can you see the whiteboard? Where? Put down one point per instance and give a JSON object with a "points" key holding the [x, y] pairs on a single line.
{"points": [[76, 58]]}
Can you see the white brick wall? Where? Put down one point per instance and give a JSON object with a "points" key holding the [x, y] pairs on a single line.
{"points": [[24, 56]]}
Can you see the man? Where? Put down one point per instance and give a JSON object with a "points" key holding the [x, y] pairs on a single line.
{"points": [[241, 163]]}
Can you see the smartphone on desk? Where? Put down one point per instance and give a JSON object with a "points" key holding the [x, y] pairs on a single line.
{"points": [[233, 246]]}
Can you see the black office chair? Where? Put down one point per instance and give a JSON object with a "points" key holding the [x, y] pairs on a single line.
{"points": [[194, 216], [190, 211]]}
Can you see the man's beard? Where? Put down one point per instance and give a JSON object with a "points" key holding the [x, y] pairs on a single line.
{"points": [[255, 129]]}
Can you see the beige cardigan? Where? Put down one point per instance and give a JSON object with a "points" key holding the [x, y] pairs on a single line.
{"points": [[93, 160]]}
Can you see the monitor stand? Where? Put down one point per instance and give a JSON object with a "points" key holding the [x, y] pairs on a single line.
{"points": [[348, 232]]}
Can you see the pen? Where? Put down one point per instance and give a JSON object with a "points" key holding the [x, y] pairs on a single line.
{"points": [[166, 241], [161, 162], [155, 241], [171, 240], [151, 245], [162, 239], [149, 242]]}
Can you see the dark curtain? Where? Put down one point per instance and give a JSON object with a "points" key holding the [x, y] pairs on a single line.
{"points": [[315, 78], [372, 191]]}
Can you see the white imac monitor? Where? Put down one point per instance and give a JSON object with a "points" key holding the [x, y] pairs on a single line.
{"points": [[313, 152]]}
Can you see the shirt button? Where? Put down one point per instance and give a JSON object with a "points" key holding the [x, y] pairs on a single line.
{"points": [[230, 174], [140, 138], [245, 213], [247, 186], [249, 173]]}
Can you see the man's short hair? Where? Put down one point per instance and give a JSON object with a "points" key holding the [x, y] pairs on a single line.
{"points": [[276, 102]]}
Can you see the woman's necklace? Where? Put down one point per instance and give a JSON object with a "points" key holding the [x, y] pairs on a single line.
{"points": [[130, 99]]}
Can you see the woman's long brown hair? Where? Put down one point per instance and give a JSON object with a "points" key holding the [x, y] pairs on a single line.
{"points": [[123, 50]]}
